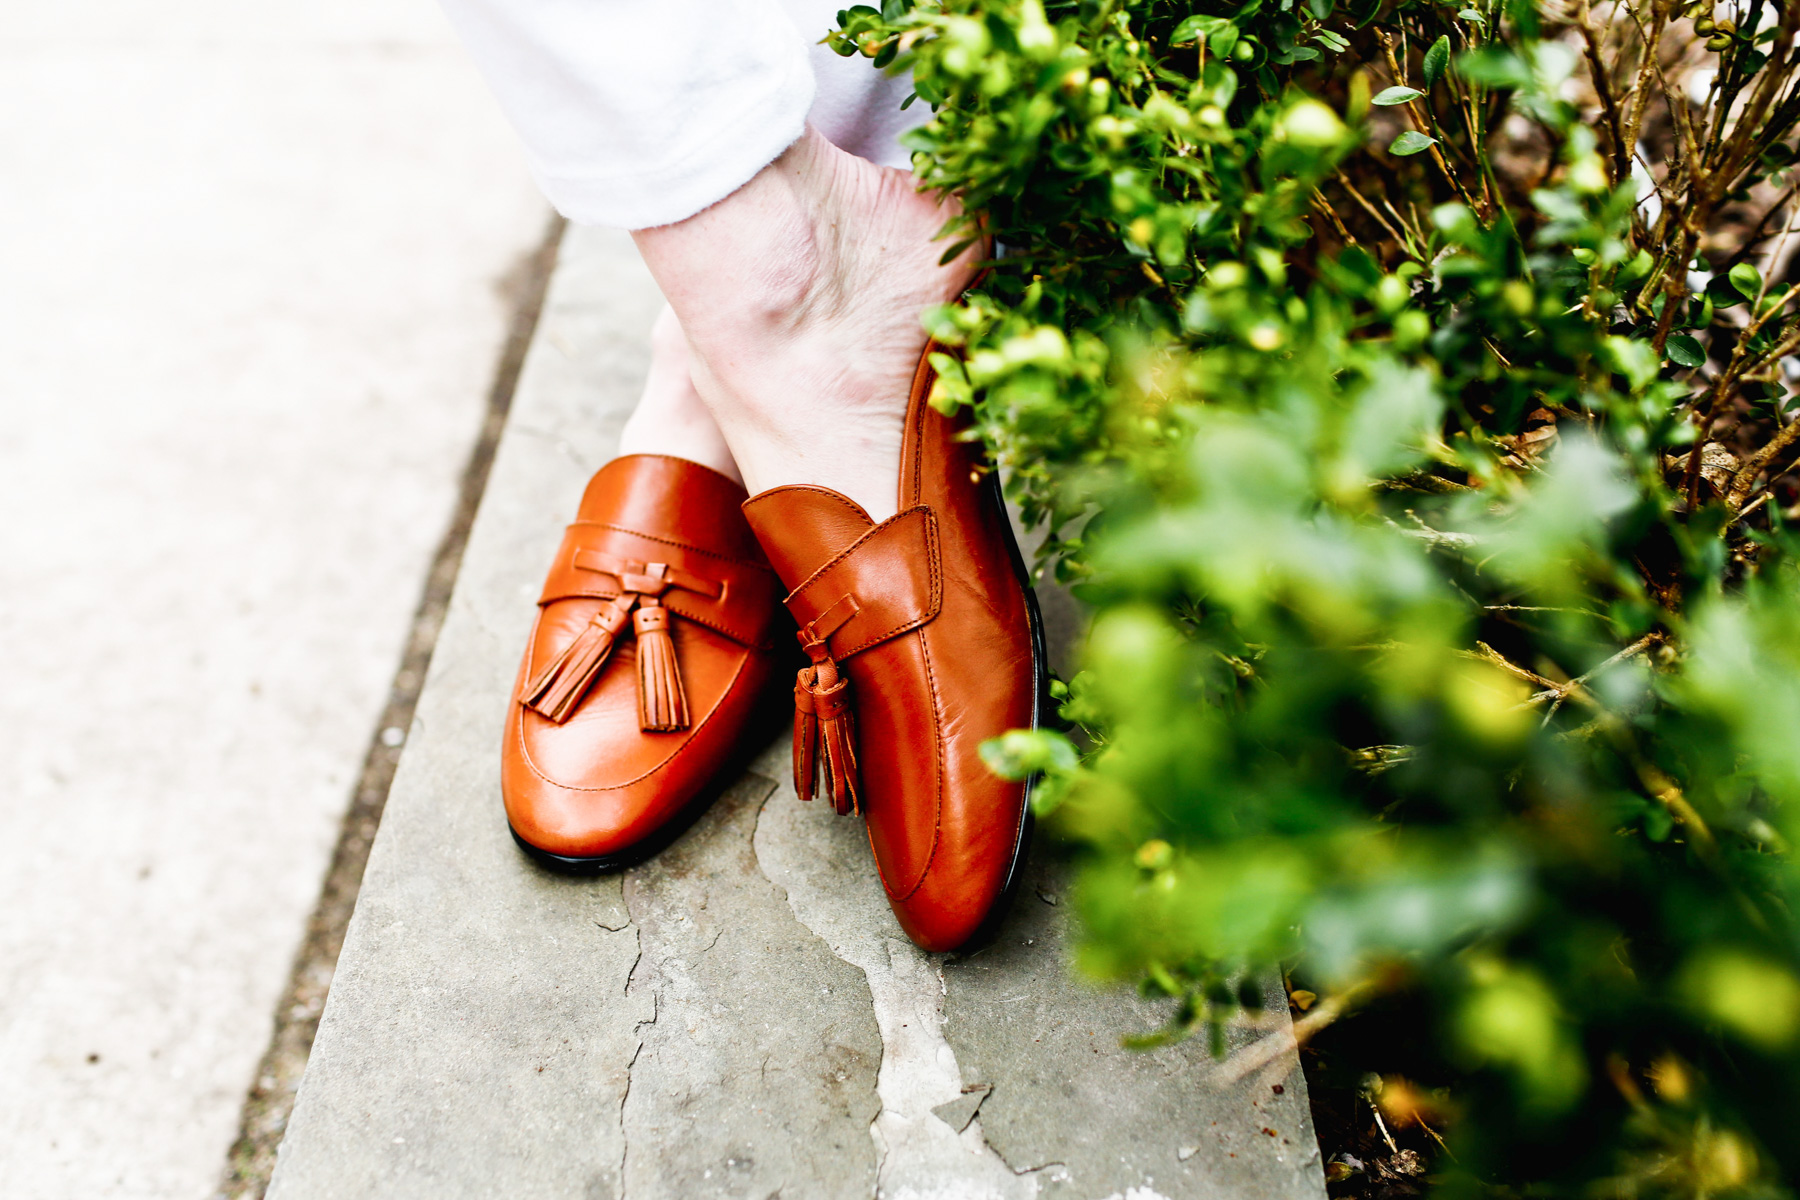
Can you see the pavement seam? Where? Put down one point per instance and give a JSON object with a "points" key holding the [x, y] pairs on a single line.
{"points": [[270, 1098]]}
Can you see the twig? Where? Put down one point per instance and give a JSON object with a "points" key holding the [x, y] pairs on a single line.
{"points": [[1615, 126], [1435, 537], [1286, 1041], [1323, 205], [1750, 508], [1486, 653], [1428, 122], [1746, 476], [1372, 210], [1664, 789], [1562, 691]]}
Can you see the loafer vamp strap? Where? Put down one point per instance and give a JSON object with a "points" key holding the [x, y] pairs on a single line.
{"points": [[888, 582], [727, 595]]}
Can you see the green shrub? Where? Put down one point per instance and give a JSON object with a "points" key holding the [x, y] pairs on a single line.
{"points": [[1406, 390]]}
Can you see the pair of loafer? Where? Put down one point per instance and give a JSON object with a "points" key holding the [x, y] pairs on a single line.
{"points": [[662, 658]]}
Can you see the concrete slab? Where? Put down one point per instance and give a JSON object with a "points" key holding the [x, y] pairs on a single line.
{"points": [[740, 1017], [248, 317]]}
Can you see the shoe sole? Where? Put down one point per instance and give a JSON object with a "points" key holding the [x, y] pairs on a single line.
{"points": [[759, 736], [631, 856]]}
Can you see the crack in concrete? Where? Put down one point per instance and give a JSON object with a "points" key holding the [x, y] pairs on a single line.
{"points": [[637, 1051], [822, 865], [738, 1092], [624, 1137], [1057, 1165], [636, 961]]}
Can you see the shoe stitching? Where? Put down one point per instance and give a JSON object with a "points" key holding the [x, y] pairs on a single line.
{"points": [[518, 722], [916, 407], [838, 498], [937, 800], [766, 645], [915, 436], [762, 644], [847, 551], [935, 593], [677, 542], [935, 596]]}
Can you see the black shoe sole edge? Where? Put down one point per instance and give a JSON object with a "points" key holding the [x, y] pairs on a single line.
{"points": [[755, 740], [631, 856]]}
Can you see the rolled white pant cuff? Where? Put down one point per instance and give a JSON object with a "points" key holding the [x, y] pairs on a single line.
{"points": [[698, 174]]}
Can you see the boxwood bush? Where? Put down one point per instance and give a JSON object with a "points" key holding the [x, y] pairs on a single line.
{"points": [[1405, 388]]}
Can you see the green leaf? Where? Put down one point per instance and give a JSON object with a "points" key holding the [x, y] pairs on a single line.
{"points": [[1411, 142], [1636, 268], [1684, 351], [1437, 60], [956, 249], [1746, 279], [1197, 26], [1396, 95], [893, 10], [1722, 292], [1494, 68], [1018, 753], [1631, 358]]}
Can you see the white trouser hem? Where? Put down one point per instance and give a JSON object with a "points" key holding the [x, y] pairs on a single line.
{"points": [[697, 175]]}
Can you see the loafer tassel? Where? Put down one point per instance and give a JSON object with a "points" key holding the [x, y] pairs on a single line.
{"points": [[662, 702], [559, 687], [825, 734]]}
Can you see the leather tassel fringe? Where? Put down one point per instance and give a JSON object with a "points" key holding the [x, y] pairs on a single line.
{"points": [[825, 737], [662, 702], [559, 687]]}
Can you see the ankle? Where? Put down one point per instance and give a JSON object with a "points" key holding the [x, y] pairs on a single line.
{"points": [[670, 417], [800, 294], [696, 441]]}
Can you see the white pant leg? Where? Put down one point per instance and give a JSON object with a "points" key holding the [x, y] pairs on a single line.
{"points": [[641, 112], [857, 107]]}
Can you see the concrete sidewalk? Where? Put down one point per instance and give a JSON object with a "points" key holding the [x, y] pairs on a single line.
{"points": [[741, 1016], [248, 315]]}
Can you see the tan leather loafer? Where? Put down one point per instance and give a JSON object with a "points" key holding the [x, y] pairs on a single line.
{"points": [[924, 641], [652, 671]]}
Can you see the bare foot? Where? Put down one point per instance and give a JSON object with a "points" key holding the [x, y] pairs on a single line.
{"points": [[670, 417], [801, 294]]}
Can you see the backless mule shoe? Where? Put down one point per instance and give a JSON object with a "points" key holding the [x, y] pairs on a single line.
{"points": [[651, 671], [924, 642]]}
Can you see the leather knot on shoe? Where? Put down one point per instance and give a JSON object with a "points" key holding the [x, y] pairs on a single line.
{"points": [[662, 704]]}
